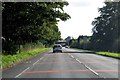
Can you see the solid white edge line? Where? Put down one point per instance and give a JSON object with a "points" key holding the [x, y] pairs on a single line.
{"points": [[22, 72]]}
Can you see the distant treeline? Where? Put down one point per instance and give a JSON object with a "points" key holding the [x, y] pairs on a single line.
{"points": [[30, 22], [106, 31]]}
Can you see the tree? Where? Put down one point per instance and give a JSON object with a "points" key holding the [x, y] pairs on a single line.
{"points": [[106, 28], [31, 21]]}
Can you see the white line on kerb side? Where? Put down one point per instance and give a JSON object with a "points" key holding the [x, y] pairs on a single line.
{"points": [[22, 72]]}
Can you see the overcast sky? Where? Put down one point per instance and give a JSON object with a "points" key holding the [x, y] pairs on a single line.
{"points": [[82, 13]]}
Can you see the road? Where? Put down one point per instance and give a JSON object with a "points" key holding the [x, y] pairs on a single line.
{"points": [[69, 64]]}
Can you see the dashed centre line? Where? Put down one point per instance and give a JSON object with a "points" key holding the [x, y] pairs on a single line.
{"points": [[28, 68], [85, 65], [22, 72], [36, 62]]}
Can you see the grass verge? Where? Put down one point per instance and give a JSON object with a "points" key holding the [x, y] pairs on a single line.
{"points": [[10, 60], [110, 54]]}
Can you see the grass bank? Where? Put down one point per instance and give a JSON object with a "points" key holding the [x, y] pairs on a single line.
{"points": [[10, 60], [110, 54]]}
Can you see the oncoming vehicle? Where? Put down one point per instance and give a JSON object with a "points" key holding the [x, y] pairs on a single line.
{"points": [[57, 48]]}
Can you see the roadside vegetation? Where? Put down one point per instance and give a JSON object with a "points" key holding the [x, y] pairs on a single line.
{"points": [[10, 60], [104, 53], [28, 28], [105, 39], [31, 22], [111, 54]]}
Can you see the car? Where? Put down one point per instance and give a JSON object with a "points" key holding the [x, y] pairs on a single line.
{"points": [[57, 48]]}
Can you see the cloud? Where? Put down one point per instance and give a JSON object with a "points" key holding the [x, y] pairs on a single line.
{"points": [[79, 3], [82, 13]]}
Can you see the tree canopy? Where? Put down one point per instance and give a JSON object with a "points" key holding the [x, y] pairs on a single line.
{"points": [[106, 36], [24, 22], [106, 27]]}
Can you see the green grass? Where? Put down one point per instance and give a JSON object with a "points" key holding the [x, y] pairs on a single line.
{"points": [[10, 60], [111, 54], [117, 55]]}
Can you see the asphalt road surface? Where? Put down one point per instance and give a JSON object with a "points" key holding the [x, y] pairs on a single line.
{"points": [[69, 64]]}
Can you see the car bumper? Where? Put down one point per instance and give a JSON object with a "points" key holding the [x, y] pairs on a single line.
{"points": [[57, 50]]}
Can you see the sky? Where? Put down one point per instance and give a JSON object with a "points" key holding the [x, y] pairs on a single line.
{"points": [[82, 14]]}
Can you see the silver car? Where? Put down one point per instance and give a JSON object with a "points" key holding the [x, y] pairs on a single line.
{"points": [[57, 48]]}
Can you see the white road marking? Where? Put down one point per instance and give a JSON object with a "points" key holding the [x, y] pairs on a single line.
{"points": [[85, 65], [91, 70], [79, 61], [36, 62], [41, 58], [22, 72], [28, 67], [88, 67], [71, 55], [68, 54]]}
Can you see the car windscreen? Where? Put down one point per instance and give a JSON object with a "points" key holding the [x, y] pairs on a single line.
{"points": [[56, 46]]}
